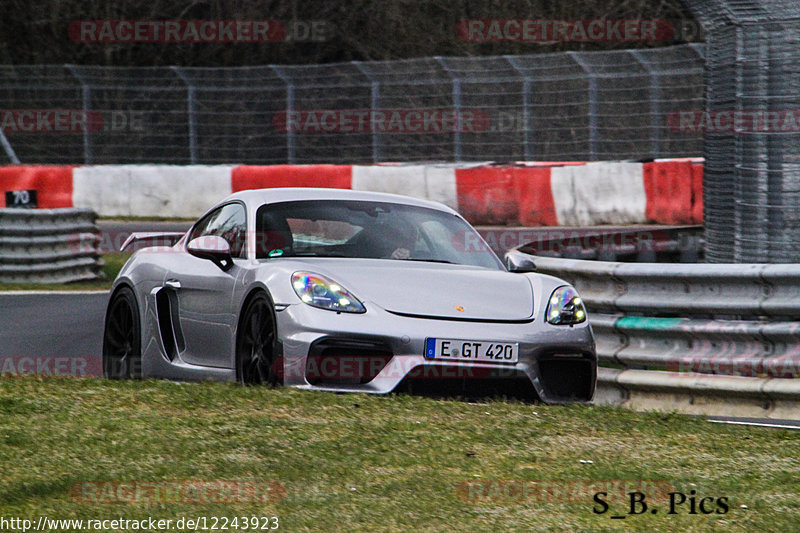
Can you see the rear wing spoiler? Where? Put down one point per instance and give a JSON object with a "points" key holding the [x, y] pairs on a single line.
{"points": [[155, 238]]}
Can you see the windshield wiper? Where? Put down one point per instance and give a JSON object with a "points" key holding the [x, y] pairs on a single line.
{"points": [[316, 254], [428, 260]]}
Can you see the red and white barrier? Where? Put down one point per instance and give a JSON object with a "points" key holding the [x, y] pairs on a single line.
{"points": [[246, 177], [599, 193], [150, 190], [53, 184], [432, 182], [533, 194]]}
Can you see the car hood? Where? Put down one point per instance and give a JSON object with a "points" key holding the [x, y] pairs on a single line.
{"points": [[433, 289]]}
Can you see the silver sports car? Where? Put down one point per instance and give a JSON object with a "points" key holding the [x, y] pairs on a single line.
{"points": [[345, 291]]}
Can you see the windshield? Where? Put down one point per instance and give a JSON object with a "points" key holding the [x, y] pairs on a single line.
{"points": [[373, 230]]}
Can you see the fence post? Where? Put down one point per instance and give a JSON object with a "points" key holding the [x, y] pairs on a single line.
{"points": [[375, 102], [190, 108], [526, 108], [86, 97], [457, 148], [592, 93], [655, 107], [7, 147], [291, 155]]}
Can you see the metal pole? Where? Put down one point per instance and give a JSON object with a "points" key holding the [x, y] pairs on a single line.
{"points": [[375, 95], [526, 108], [592, 93], [291, 153], [190, 108], [655, 107], [457, 147], [12, 156], [86, 97]]}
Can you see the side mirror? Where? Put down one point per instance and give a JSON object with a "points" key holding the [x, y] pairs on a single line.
{"points": [[213, 248], [519, 263]]}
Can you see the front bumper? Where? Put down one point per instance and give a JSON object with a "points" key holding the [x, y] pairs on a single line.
{"points": [[559, 361]]}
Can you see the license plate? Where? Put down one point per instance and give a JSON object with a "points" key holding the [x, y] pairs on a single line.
{"points": [[462, 350]]}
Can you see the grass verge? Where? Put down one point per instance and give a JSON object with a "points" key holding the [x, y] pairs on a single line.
{"points": [[380, 463]]}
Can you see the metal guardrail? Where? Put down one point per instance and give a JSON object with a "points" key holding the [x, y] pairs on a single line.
{"points": [[48, 245], [676, 289], [731, 331]]}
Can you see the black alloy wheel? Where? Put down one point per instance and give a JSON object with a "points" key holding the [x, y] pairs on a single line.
{"points": [[255, 344], [122, 341]]}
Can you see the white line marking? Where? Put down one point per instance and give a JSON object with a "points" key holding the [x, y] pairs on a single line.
{"points": [[760, 424], [14, 293]]}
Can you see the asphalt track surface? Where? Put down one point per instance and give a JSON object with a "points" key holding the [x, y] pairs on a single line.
{"points": [[52, 324], [43, 326]]}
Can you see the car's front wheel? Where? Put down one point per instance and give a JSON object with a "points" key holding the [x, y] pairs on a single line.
{"points": [[122, 353], [255, 343]]}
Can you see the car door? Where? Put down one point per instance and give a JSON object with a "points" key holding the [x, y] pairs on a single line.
{"points": [[206, 312]]}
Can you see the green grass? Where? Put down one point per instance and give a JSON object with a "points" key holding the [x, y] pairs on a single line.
{"points": [[378, 463], [113, 263]]}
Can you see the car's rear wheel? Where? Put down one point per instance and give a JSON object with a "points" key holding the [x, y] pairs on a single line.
{"points": [[122, 341], [255, 343]]}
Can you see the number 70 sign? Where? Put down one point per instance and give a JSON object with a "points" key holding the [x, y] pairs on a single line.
{"points": [[21, 199]]}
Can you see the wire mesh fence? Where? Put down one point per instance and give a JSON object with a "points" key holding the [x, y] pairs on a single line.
{"points": [[563, 106], [752, 170]]}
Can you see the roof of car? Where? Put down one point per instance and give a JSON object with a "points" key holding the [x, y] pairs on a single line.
{"points": [[288, 194]]}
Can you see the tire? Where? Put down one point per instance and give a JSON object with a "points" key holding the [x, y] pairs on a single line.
{"points": [[256, 346], [122, 337]]}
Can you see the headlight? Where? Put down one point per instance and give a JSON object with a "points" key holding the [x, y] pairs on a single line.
{"points": [[565, 307], [318, 291]]}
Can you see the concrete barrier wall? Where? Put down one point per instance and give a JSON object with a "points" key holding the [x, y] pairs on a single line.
{"points": [[546, 194]]}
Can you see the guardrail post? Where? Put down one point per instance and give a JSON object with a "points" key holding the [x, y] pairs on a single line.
{"points": [[291, 151], [190, 109], [86, 96]]}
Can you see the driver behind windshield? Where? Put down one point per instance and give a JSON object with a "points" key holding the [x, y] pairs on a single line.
{"points": [[395, 239]]}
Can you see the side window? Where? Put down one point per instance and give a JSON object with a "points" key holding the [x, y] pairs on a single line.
{"points": [[228, 222]]}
